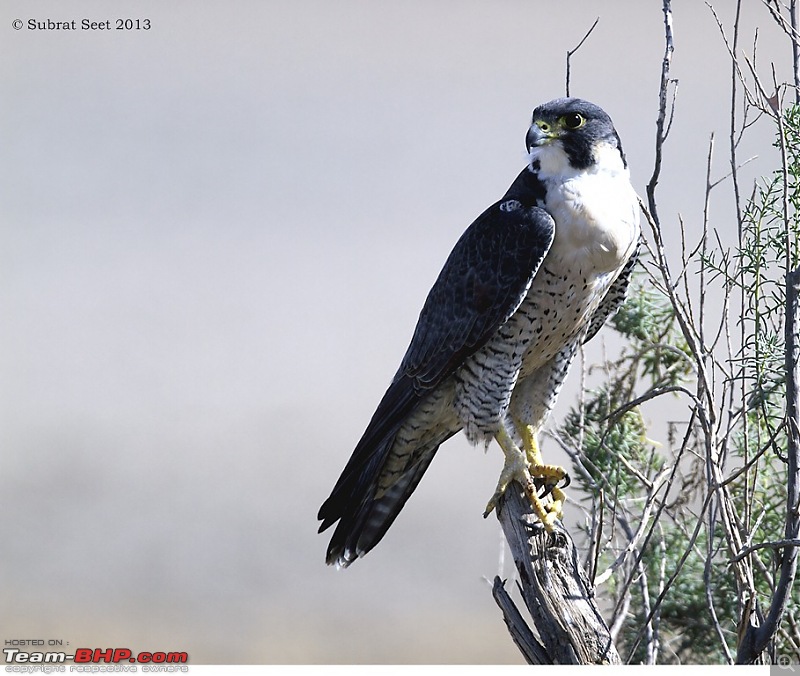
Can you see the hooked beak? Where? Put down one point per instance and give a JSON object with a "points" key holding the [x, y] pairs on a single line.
{"points": [[536, 137]]}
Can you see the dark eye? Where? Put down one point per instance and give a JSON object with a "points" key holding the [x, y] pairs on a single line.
{"points": [[574, 120]]}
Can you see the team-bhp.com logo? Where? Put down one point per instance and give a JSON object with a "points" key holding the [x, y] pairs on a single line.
{"points": [[89, 655]]}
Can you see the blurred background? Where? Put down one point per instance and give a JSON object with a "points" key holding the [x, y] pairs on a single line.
{"points": [[215, 238]]}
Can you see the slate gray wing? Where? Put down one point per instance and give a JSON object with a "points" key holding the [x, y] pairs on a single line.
{"points": [[480, 286]]}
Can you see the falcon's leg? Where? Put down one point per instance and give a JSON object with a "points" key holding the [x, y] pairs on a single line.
{"points": [[517, 467], [552, 475]]}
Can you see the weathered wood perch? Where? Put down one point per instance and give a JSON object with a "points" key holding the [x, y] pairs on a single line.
{"points": [[568, 628]]}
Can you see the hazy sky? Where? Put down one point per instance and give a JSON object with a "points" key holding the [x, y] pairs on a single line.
{"points": [[215, 238]]}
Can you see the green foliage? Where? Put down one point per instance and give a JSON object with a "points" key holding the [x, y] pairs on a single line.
{"points": [[647, 320], [604, 447]]}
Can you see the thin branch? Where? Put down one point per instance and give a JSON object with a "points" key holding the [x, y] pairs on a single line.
{"points": [[634, 538], [707, 584], [651, 648], [575, 49], [597, 535], [662, 108], [790, 28], [673, 577], [623, 605], [732, 173], [780, 544], [795, 50]]}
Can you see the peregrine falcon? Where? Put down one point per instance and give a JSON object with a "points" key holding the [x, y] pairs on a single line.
{"points": [[535, 275]]}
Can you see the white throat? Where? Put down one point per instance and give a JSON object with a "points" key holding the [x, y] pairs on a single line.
{"points": [[554, 162]]}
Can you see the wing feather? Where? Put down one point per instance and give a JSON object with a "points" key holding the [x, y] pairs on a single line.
{"points": [[482, 283]]}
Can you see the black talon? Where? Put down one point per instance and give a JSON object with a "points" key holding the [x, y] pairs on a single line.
{"points": [[546, 486]]}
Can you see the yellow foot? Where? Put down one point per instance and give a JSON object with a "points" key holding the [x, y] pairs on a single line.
{"points": [[524, 467], [515, 468]]}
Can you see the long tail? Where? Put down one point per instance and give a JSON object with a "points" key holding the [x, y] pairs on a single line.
{"points": [[363, 518]]}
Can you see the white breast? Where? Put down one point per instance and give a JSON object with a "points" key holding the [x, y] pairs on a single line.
{"points": [[596, 210]]}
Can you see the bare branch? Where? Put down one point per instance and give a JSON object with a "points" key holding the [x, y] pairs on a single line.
{"points": [[795, 50], [662, 108], [674, 576], [651, 648], [635, 538], [790, 28], [710, 598], [780, 544], [575, 49]]}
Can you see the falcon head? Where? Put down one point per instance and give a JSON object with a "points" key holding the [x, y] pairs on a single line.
{"points": [[574, 133]]}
